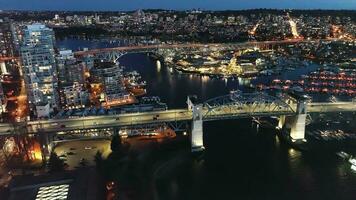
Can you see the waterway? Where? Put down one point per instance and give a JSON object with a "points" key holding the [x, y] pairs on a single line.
{"points": [[241, 161]]}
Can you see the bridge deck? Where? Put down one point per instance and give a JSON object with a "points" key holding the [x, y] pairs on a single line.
{"points": [[331, 107], [108, 121]]}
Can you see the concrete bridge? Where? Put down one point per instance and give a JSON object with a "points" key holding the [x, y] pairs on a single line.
{"points": [[292, 111]]}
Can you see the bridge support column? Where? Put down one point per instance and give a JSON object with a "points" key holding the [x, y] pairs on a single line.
{"points": [[281, 122], [197, 129], [297, 123], [297, 131]]}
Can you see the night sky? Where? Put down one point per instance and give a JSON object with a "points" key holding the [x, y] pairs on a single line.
{"points": [[173, 4]]}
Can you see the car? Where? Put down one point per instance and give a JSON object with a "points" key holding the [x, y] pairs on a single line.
{"points": [[62, 126], [88, 148], [117, 119], [70, 153], [155, 118]]}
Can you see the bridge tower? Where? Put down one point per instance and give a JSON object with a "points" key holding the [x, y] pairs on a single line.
{"points": [[196, 137], [296, 124], [197, 129]]}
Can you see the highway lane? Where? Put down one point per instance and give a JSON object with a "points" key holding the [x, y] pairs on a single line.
{"points": [[109, 121], [331, 107]]}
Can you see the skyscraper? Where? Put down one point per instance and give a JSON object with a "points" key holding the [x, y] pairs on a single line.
{"points": [[39, 69]]}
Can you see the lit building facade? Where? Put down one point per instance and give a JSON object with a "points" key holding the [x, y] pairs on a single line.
{"points": [[110, 76], [74, 96], [71, 80], [70, 70], [7, 47], [39, 66], [3, 100]]}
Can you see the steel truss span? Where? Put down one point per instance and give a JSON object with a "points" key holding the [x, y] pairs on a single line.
{"points": [[237, 105]]}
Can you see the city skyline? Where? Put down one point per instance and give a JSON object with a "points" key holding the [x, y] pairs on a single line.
{"points": [[113, 5], [177, 104]]}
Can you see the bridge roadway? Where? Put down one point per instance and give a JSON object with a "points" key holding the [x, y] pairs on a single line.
{"points": [[331, 107], [191, 45], [132, 119]]}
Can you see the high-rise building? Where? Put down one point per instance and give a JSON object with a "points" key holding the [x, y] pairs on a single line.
{"points": [[71, 80], [110, 76], [3, 100], [70, 69], [73, 96], [7, 48], [39, 67]]}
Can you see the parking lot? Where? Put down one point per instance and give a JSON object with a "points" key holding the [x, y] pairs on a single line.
{"points": [[73, 152]]}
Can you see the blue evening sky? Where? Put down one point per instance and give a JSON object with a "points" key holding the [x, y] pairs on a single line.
{"points": [[173, 4]]}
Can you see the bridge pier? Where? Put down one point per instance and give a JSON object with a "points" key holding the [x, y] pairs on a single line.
{"points": [[281, 122], [296, 124], [297, 127], [196, 137], [197, 129]]}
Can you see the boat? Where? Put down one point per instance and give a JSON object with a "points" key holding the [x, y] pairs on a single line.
{"points": [[344, 155], [353, 167], [352, 161]]}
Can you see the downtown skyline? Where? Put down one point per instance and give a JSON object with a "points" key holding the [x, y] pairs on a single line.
{"points": [[209, 99], [113, 5]]}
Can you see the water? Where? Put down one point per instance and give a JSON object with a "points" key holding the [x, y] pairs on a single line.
{"points": [[240, 161], [75, 44]]}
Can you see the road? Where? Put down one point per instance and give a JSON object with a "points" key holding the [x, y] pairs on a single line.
{"points": [[55, 125], [332, 107]]}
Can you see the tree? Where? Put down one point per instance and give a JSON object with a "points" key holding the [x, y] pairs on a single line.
{"points": [[98, 159], [55, 164], [116, 145]]}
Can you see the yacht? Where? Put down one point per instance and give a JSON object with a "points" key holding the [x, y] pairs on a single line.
{"points": [[344, 155], [352, 161]]}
